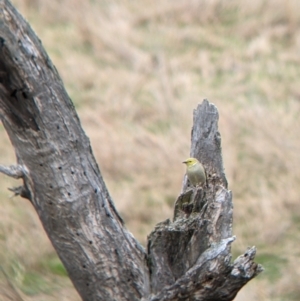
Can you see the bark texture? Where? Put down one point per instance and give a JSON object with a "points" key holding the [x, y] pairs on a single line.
{"points": [[61, 176], [190, 257], [186, 259]]}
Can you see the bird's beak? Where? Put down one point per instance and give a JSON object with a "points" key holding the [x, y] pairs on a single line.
{"points": [[184, 162]]}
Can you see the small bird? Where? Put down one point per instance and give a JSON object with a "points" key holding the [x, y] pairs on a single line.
{"points": [[195, 171]]}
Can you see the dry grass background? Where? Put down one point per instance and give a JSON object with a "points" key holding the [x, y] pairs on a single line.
{"points": [[135, 71]]}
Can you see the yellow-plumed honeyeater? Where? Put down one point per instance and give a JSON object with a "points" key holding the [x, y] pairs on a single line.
{"points": [[195, 172]]}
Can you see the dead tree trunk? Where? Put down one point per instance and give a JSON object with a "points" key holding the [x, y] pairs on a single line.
{"points": [[186, 259]]}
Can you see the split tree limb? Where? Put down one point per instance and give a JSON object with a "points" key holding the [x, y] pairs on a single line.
{"points": [[186, 259]]}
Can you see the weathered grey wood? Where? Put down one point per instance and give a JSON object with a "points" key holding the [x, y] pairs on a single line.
{"points": [[186, 259], [202, 221], [206, 142], [63, 181]]}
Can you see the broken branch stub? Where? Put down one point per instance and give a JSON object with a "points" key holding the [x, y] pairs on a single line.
{"points": [[202, 222]]}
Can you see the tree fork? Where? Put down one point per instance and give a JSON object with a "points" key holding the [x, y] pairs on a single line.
{"points": [[186, 259]]}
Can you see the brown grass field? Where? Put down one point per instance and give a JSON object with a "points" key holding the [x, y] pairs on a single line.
{"points": [[135, 71]]}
